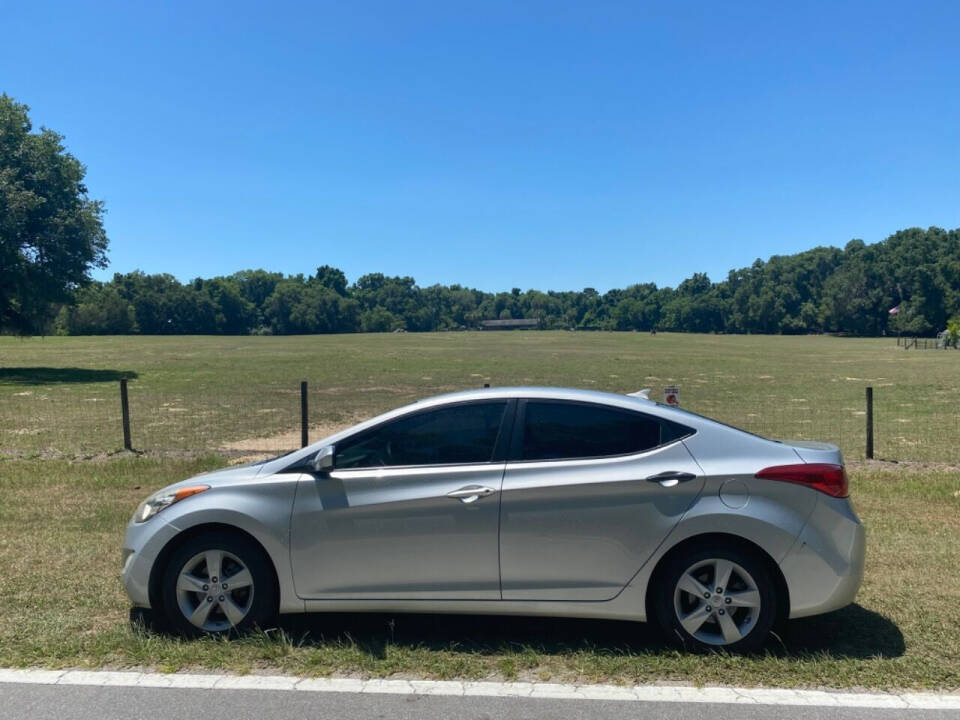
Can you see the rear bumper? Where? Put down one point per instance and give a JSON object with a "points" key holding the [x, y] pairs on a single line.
{"points": [[824, 568]]}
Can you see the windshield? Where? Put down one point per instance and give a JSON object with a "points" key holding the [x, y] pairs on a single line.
{"points": [[255, 463]]}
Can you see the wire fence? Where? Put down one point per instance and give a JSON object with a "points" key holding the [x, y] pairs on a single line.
{"points": [[56, 422], [267, 418]]}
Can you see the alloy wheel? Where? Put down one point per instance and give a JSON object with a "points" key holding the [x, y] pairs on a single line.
{"points": [[717, 601], [215, 590]]}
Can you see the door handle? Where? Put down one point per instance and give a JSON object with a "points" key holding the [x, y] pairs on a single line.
{"points": [[470, 493], [671, 478]]}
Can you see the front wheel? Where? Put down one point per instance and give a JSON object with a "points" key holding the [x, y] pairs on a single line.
{"points": [[216, 583], [719, 597]]}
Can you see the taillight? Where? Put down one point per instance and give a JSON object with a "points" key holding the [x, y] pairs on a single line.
{"points": [[825, 477]]}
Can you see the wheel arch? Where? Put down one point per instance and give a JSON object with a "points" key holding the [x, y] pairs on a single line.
{"points": [[711, 539], [184, 536]]}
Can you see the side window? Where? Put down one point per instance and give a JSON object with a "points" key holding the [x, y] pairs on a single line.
{"points": [[459, 434], [558, 430]]}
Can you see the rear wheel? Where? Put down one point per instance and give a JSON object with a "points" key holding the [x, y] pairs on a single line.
{"points": [[215, 583], [717, 597]]}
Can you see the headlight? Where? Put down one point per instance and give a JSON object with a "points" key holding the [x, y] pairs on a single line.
{"points": [[164, 499]]}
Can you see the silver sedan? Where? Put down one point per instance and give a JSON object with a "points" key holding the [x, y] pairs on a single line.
{"points": [[539, 501]]}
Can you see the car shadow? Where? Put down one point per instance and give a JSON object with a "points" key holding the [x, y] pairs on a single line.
{"points": [[55, 375], [853, 632]]}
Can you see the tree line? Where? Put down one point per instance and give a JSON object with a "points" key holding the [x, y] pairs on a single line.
{"points": [[52, 236], [826, 289]]}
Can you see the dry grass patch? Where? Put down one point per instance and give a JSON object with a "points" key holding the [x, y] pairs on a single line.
{"points": [[288, 440]]}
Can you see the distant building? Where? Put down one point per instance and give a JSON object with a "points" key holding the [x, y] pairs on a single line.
{"points": [[510, 324]]}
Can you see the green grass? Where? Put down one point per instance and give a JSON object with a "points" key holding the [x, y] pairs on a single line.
{"points": [[61, 603], [59, 396], [196, 400]]}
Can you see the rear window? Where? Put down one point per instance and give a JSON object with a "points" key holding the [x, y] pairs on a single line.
{"points": [[676, 408], [563, 431]]}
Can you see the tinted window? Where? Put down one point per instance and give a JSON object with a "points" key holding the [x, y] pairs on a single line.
{"points": [[554, 431], [459, 434]]}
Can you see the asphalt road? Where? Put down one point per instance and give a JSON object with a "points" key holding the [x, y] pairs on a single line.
{"points": [[37, 702]]}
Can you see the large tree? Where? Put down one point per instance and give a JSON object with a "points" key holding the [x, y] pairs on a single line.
{"points": [[51, 232]]}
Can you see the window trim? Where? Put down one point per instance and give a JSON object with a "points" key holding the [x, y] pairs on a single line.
{"points": [[500, 444], [516, 445]]}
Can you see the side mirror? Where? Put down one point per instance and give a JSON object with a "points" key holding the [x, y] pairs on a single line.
{"points": [[322, 462]]}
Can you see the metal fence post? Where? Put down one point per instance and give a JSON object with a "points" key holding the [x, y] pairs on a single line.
{"points": [[125, 414], [869, 423], [304, 431]]}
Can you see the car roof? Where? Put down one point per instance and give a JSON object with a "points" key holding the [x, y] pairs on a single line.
{"points": [[537, 392], [627, 402]]}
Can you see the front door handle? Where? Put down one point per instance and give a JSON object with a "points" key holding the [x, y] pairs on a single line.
{"points": [[671, 478], [470, 493]]}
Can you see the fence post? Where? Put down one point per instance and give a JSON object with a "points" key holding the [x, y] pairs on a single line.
{"points": [[125, 414], [869, 423], [304, 432]]}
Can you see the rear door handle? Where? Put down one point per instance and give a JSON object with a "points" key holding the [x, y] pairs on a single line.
{"points": [[671, 478], [470, 493]]}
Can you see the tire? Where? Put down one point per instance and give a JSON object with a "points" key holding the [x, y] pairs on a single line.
{"points": [[237, 597], [691, 612]]}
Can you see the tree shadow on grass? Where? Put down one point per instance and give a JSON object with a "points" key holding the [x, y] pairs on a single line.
{"points": [[853, 632], [54, 375]]}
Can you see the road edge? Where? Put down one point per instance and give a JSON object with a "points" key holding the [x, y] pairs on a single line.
{"points": [[636, 693]]}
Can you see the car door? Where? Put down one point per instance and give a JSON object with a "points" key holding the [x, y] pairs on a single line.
{"points": [[410, 510], [589, 493]]}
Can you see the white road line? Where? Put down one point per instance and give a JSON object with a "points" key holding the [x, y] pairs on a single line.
{"points": [[638, 693]]}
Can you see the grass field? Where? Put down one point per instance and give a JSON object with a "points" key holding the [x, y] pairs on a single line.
{"points": [[59, 396], [61, 603], [62, 516]]}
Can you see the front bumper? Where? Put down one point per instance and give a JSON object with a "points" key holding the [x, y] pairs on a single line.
{"points": [[141, 545], [824, 568]]}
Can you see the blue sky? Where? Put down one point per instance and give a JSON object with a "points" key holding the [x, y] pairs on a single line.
{"points": [[498, 145]]}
